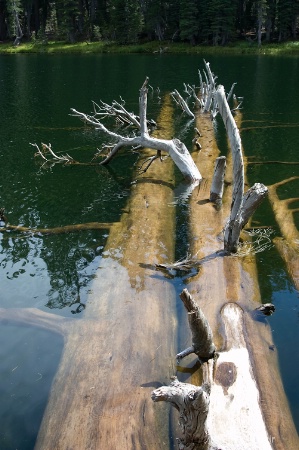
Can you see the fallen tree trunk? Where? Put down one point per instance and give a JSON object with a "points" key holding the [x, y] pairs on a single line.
{"points": [[115, 355], [257, 416], [57, 230]]}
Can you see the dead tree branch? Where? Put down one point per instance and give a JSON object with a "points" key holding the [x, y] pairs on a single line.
{"points": [[242, 206], [182, 103], [202, 336], [175, 148]]}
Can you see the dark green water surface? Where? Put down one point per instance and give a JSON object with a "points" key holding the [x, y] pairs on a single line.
{"points": [[54, 272]]}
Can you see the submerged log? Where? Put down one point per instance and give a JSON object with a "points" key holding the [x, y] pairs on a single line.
{"points": [[123, 345], [232, 280], [218, 180], [288, 246], [57, 230]]}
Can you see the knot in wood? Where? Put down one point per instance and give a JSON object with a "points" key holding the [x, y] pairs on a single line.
{"points": [[226, 375], [179, 146]]}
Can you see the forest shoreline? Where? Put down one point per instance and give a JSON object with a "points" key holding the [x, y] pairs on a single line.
{"points": [[154, 47]]}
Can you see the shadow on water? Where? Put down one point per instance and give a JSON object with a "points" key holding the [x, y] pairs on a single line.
{"points": [[28, 365]]}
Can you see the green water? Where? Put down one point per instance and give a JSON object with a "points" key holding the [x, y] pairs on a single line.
{"points": [[54, 272]]}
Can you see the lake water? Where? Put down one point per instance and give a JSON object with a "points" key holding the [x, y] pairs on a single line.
{"points": [[54, 272]]}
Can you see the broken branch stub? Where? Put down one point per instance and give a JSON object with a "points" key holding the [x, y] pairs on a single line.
{"points": [[251, 201], [202, 336], [216, 192], [192, 402]]}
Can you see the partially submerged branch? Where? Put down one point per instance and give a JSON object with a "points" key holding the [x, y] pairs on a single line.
{"points": [[182, 103]]}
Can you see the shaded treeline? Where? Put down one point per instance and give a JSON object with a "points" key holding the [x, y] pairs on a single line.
{"points": [[212, 22]]}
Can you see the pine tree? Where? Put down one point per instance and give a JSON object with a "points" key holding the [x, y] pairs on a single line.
{"points": [[287, 14], [126, 21], [189, 20]]}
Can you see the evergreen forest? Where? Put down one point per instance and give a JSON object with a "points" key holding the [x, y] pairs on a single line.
{"points": [[204, 22]]}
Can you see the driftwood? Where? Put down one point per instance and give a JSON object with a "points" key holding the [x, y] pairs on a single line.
{"points": [[202, 336], [192, 402], [173, 147], [214, 100]]}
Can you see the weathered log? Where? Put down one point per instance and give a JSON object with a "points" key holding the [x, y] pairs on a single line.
{"points": [[113, 355], [100, 394], [174, 147], [57, 230], [233, 280], [227, 416]]}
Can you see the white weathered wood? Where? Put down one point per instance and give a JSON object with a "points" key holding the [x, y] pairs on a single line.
{"points": [[233, 227], [235, 419], [174, 147], [251, 201], [182, 103], [192, 402], [216, 191], [225, 412]]}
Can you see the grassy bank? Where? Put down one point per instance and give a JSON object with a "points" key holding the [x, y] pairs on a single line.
{"points": [[52, 47]]}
